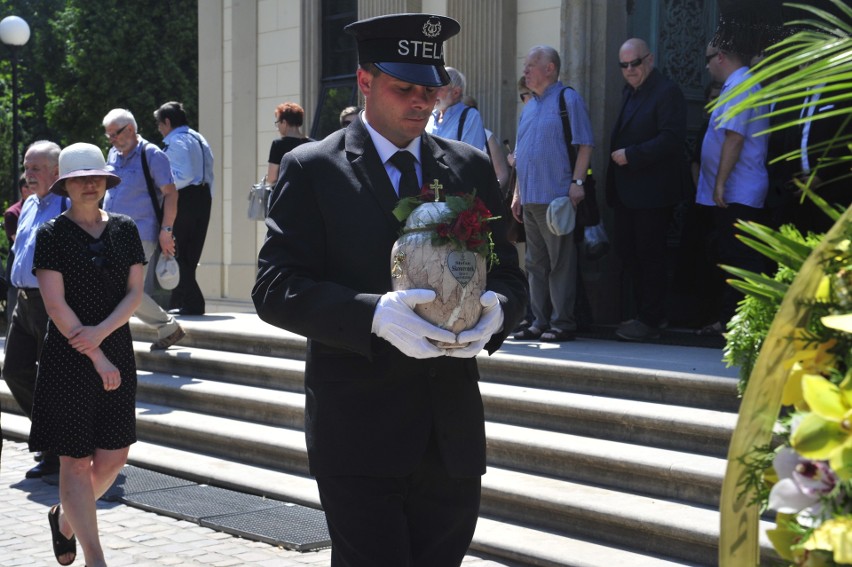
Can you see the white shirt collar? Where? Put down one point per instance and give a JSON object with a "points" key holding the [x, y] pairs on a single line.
{"points": [[385, 147]]}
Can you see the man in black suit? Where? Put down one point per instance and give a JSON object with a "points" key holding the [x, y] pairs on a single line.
{"points": [[644, 181], [394, 424]]}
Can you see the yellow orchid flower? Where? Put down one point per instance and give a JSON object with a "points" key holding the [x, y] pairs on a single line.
{"points": [[828, 426], [808, 359], [834, 535]]}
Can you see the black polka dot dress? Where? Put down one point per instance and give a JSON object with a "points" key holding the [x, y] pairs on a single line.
{"points": [[72, 413]]}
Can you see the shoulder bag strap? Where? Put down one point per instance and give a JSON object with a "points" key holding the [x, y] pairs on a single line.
{"points": [[152, 192], [566, 129], [461, 122]]}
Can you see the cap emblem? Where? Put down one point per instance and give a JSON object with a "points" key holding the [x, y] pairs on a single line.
{"points": [[432, 28]]}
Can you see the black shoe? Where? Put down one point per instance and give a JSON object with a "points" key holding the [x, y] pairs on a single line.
{"points": [[38, 456], [48, 466]]}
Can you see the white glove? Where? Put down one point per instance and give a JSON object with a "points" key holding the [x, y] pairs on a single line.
{"points": [[490, 322], [396, 322]]}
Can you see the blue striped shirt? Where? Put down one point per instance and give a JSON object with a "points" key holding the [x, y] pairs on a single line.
{"points": [[190, 157], [473, 132], [131, 197], [748, 182], [34, 213], [544, 171]]}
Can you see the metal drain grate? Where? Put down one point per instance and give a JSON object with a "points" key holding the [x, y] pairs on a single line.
{"points": [[198, 501], [291, 526], [132, 480]]}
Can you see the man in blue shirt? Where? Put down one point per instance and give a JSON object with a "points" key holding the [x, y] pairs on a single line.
{"points": [[133, 198], [733, 179], [192, 167], [544, 173], [29, 319], [450, 112]]}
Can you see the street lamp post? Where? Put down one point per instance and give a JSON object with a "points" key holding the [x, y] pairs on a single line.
{"points": [[14, 32]]}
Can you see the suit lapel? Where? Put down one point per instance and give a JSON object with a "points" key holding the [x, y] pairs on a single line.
{"points": [[370, 170], [435, 168]]}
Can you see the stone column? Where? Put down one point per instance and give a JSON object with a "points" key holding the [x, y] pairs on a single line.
{"points": [[210, 111], [240, 234], [311, 32]]}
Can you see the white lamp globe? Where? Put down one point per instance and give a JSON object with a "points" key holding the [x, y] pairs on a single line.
{"points": [[14, 31]]}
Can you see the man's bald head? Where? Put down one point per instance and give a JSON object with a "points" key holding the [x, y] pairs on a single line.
{"points": [[636, 61]]}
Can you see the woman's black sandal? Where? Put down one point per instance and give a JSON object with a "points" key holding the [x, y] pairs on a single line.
{"points": [[61, 544]]}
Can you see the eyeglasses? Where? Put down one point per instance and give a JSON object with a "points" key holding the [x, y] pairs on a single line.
{"points": [[117, 132], [277, 122], [708, 58], [635, 63], [347, 123], [525, 96]]}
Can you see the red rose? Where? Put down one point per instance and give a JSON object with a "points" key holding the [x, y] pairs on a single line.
{"points": [[466, 224], [443, 230], [480, 208]]}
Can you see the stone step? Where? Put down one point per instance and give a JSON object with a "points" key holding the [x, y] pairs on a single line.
{"points": [[234, 367], [223, 399], [621, 466], [253, 443], [246, 335], [646, 423], [649, 470], [668, 528], [657, 425]]}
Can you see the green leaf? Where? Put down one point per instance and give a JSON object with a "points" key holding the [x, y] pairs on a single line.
{"points": [[756, 291], [758, 280]]}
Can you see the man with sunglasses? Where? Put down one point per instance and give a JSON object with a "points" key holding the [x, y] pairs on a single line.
{"points": [[644, 182], [733, 180], [133, 198]]}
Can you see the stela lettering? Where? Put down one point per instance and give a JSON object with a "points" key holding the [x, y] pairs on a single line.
{"points": [[425, 49]]}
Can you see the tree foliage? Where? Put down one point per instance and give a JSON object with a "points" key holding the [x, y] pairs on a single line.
{"points": [[86, 57]]}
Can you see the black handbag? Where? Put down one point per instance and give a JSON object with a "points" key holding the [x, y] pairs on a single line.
{"points": [[588, 213]]}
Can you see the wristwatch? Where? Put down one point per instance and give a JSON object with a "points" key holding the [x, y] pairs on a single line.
{"points": [[166, 228], [578, 182]]}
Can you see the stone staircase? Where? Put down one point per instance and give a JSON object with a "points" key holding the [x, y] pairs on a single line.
{"points": [[590, 464]]}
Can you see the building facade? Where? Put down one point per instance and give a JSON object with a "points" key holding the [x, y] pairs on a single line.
{"points": [[255, 54]]}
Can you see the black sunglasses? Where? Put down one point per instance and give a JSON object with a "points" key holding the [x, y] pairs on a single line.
{"points": [[635, 63], [708, 58], [525, 96], [117, 132]]}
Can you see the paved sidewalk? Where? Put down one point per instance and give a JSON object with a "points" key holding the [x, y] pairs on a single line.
{"points": [[129, 536]]}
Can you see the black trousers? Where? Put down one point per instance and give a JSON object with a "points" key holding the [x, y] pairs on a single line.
{"points": [[23, 347], [640, 238], [190, 230], [426, 519], [731, 252]]}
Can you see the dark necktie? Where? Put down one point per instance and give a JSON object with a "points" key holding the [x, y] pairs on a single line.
{"points": [[404, 162]]}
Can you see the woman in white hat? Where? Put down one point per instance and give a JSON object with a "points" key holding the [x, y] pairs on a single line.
{"points": [[89, 266]]}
